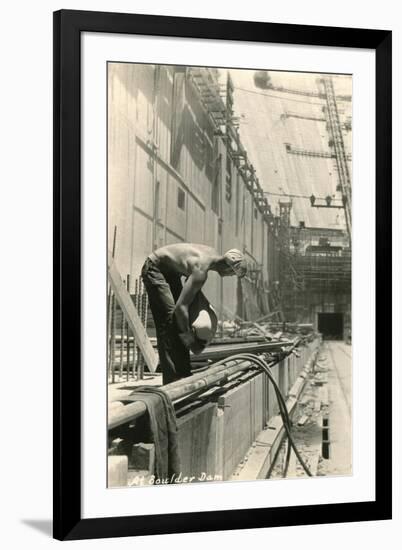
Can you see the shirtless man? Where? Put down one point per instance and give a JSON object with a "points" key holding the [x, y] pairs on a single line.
{"points": [[170, 300]]}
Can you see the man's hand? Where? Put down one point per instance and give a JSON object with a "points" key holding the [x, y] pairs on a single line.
{"points": [[188, 338], [198, 346], [192, 343], [192, 285]]}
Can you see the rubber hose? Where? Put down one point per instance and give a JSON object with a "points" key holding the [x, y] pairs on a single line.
{"points": [[287, 424], [281, 401], [285, 419]]}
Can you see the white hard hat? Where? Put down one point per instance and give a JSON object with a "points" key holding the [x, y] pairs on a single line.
{"points": [[205, 324]]}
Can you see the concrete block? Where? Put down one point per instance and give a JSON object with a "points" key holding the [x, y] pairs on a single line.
{"points": [[273, 403], [283, 369], [143, 457], [219, 441], [237, 426], [198, 436], [116, 446], [117, 471]]}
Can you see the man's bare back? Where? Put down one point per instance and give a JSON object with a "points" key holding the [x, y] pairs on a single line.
{"points": [[185, 258]]}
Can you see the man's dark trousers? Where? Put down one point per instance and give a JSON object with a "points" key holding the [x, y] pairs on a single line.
{"points": [[163, 289]]}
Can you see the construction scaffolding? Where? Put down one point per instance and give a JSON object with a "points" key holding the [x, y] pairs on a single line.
{"points": [[289, 279], [206, 82], [319, 261]]}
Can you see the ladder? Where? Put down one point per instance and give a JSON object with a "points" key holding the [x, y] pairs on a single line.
{"points": [[340, 155]]}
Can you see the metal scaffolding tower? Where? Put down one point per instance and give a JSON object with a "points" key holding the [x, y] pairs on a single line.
{"points": [[340, 155], [205, 81], [289, 278]]}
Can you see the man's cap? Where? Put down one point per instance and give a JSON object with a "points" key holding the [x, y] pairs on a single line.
{"points": [[236, 260]]}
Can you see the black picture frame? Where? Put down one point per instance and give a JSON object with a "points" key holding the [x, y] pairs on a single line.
{"points": [[68, 26]]}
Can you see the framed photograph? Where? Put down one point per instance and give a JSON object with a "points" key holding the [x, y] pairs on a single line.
{"points": [[222, 313]]}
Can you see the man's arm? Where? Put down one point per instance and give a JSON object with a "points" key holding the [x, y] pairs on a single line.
{"points": [[193, 284]]}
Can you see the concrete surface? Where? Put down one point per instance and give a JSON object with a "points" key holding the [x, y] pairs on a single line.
{"points": [[340, 410]]}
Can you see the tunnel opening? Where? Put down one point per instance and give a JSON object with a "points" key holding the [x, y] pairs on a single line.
{"points": [[331, 325]]}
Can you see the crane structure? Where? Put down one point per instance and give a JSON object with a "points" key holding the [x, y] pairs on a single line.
{"points": [[337, 143], [288, 114], [305, 93], [262, 80], [308, 153], [323, 202], [341, 157]]}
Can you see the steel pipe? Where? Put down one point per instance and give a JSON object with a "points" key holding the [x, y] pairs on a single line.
{"points": [[176, 390], [217, 374]]}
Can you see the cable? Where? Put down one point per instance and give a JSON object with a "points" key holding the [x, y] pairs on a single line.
{"points": [[282, 405], [284, 415], [287, 425], [281, 402]]}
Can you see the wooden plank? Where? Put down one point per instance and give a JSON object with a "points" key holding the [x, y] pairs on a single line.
{"points": [[302, 420], [132, 316], [313, 462], [324, 396], [292, 469]]}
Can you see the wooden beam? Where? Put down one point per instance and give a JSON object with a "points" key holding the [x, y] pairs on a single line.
{"points": [[127, 306]]}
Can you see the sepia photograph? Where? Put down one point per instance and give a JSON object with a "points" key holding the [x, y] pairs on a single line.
{"points": [[229, 239]]}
